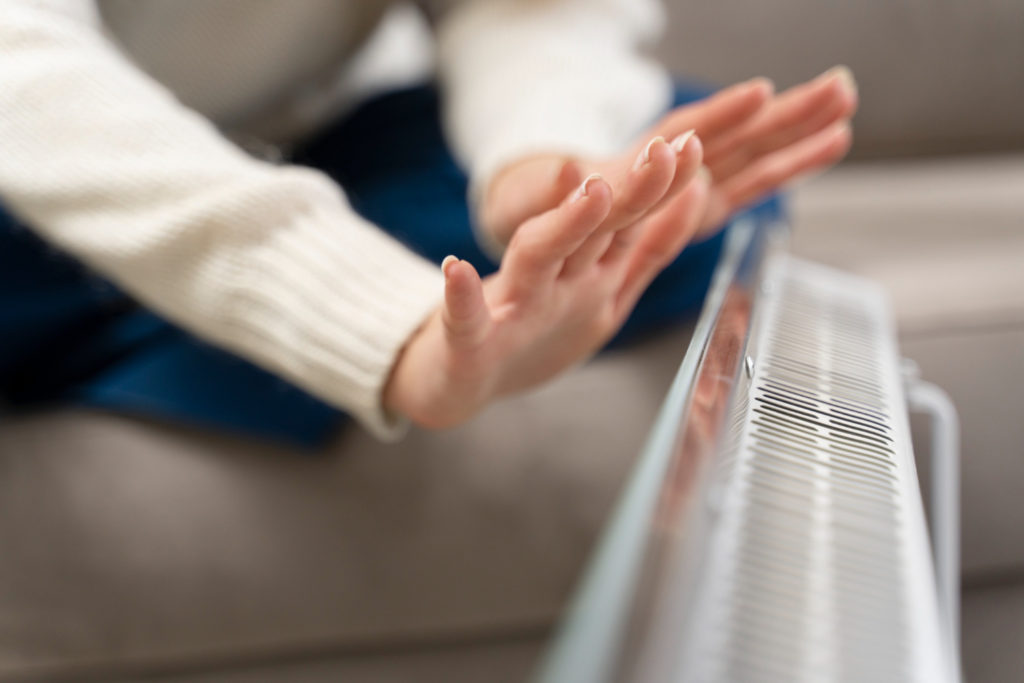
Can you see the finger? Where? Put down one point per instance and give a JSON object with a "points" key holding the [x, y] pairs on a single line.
{"points": [[794, 115], [834, 98], [465, 315], [644, 181], [663, 237], [690, 156], [778, 168], [619, 230], [625, 239], [530, 188], [720, 112], [540, 246], [789, 108]]}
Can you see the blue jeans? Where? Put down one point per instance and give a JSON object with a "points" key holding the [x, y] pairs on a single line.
{"points": [[68, 336]]}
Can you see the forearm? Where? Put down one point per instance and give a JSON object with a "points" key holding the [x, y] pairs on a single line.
{"points": [[268, 262]]}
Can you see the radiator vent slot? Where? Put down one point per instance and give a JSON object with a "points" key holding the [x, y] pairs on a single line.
{"points": [[809, 577]]}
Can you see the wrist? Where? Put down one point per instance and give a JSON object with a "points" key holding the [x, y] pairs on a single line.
{"points": [[525, 188], [396, 399]]}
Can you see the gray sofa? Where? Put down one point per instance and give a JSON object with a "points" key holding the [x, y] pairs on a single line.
{"points": [[138, 551]]}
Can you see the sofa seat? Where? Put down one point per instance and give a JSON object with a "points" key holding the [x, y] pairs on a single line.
{"points": [[135, 549]]}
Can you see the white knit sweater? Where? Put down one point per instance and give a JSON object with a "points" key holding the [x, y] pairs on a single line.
{"points": [[114, 126]]}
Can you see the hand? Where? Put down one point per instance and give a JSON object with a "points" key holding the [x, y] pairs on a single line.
{"points": [[754, 142], [568, 281]]}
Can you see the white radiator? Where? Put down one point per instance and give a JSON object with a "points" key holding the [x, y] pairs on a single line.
{"points": [[774, 530]]}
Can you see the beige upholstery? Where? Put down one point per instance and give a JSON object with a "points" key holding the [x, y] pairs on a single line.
{"points": [[134, 546], [944, 235], [508, 659], [994, 632], [935, 77]]}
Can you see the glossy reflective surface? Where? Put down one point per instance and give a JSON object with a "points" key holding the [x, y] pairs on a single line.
{"points": [[687, 498], [610, 627]]}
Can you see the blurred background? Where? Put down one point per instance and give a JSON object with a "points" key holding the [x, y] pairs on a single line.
{"points": [[935, 76]]}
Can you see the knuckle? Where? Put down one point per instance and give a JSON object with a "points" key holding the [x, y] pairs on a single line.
{"points": [[518, 241], [607, 322], [652, 257], [623, 240]]}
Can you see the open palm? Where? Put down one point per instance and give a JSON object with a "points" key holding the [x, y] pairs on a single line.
{"points": [[567, 282], [754, 142]]}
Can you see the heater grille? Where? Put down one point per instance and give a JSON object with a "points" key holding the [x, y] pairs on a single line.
{"points": [[819, 567]]}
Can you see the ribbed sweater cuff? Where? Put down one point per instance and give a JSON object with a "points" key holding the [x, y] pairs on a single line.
{"points": [[335, 299]]}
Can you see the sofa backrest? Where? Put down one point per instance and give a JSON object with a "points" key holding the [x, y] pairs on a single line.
{"points": [[935, 76]]}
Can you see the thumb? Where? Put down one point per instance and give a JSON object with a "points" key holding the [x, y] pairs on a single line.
{"points": [[465, 315], [526, 189]]}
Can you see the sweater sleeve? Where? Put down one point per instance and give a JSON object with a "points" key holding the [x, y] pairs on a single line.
{"points": [[269, 262], [523, 77]]}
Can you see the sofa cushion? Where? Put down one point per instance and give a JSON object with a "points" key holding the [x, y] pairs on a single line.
{"points": [[134, 546], [945, 236]]}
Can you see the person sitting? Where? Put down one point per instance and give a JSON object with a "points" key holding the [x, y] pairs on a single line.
{"points": [[149, 264]]}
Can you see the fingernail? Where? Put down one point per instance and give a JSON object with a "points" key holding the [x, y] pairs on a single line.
{"points": [[844, 75], [680, 142], [581, 192], [766, 83], [645, 156], [446, 264], [704, 173]]}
